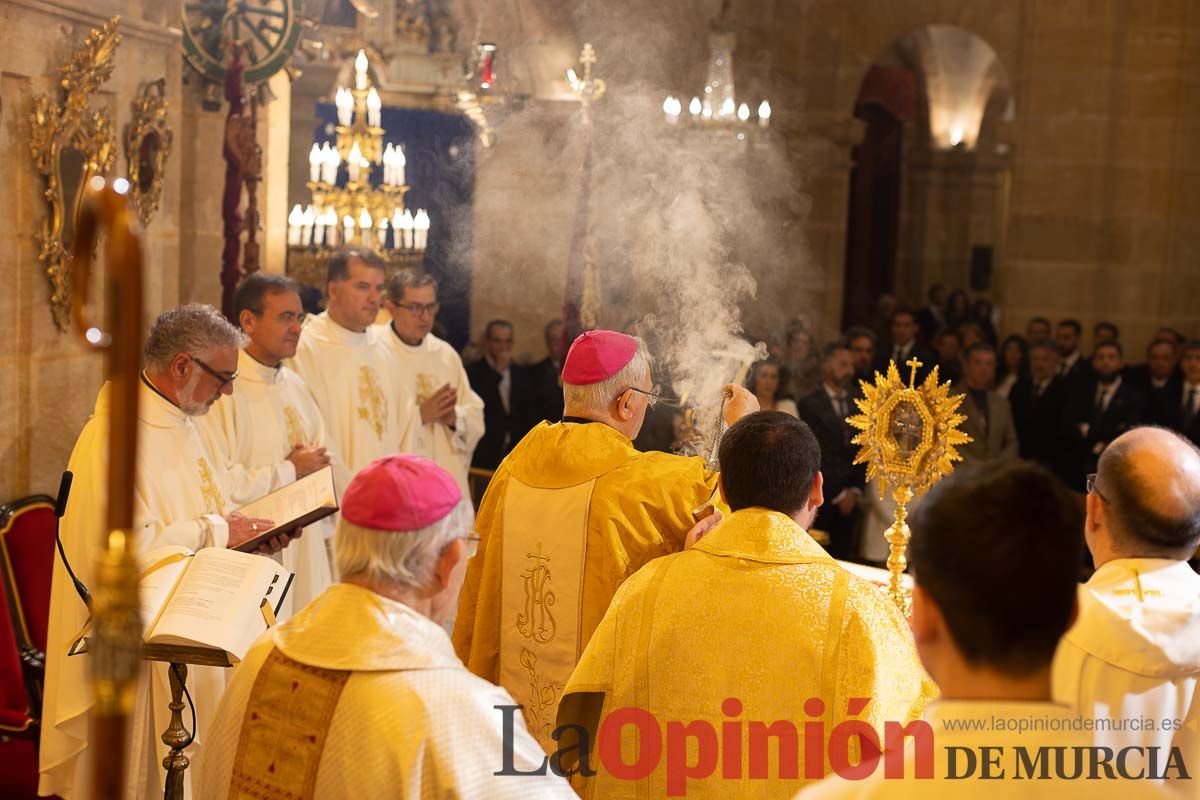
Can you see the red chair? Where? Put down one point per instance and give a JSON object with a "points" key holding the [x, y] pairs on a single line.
{"points": [[26, 566]]}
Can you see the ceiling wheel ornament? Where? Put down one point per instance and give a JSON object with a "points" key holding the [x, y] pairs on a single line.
{"points": [[267, 30], [908, 437], [71, 144], [147, 146]]}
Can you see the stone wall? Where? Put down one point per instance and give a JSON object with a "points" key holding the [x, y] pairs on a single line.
{"points": [[48, 381]]}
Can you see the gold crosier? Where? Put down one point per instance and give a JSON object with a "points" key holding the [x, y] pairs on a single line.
{"points": [[908, 435], [116, 641]]}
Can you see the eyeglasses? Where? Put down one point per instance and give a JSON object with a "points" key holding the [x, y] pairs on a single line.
{"points": [[417, 309], [217, 376], [1091, 487], [472, 545], [652, 396]]}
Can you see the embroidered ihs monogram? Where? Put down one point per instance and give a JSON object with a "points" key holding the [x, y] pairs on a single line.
{"points": [[208, 488], [295, 432], [373, 410]]}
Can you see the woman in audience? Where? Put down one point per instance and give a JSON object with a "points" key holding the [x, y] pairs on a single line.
{"points": [[958, 309], [981, 315], [764, 382], [1014, 363]]}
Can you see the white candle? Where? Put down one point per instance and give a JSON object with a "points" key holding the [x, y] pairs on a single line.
{"points": [[294, 220], [420, 229], [764, 113], [329, 164], [727, 107], [374, 105], [345, 106], [400, 163], [381, 232], [694, 106], [406, 229], [314, 163], [306, 226], [743, 112], [397, 240], [389, 168], [360, 70], [364, 223], [348, 228], [354, 162]]}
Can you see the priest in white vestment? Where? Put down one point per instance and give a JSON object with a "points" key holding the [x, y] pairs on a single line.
{"points": [[1134, 653], [270, 433], [995, 553], [360, 694], [345, 365], [440, 415], [180, 499]]}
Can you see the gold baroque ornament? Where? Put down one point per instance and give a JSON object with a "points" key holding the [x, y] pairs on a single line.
{"points": [[70, 144], [147, 145], [908, 436]]}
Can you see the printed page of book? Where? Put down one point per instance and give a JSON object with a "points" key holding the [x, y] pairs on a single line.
{"points": [[216, 603], [159, 571], [310, 498]]}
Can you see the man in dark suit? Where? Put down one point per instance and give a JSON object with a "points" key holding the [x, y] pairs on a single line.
{"points": [[931, 319], [1100, 409], [1179, 409], [1160, 375], [545, 376], [825, 409], [1072, 367], [504, 387], [861, 341], [1038, 401], [905, 346]]}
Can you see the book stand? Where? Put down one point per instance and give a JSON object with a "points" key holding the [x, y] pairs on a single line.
{"points": [[176, 736]]}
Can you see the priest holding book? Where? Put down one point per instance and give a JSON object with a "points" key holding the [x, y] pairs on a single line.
{"points": [[270, 432], [180, 498], [360, 694]]}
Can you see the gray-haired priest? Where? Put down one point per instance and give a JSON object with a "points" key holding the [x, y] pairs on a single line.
{"points": [[180, 499], [361, 694]]}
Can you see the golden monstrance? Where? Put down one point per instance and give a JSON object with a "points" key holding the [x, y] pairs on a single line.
{"points": [[908, 435]]}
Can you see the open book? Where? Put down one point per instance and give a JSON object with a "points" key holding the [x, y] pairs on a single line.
{"points": [[214, 598], [298, 504]]}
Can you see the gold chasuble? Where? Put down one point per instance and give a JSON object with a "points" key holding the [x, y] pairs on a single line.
{"points": [[571, 513], [734, 662]]}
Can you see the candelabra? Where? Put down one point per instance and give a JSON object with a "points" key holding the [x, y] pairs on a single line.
{"points": [[354, 211], [716, 106]]}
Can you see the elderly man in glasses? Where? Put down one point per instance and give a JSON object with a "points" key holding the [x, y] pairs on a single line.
{"points": [[360, 694], [571, 513], [180, 498], [1134, 653], [440, 417]]}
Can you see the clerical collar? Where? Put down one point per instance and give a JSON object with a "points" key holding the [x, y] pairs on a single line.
{"points": [[578, 420], [250, 367], [400, 339], [154, 388]]}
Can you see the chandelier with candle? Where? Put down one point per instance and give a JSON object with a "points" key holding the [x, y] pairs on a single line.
{"points": [[716, 107], [347, 209]]}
